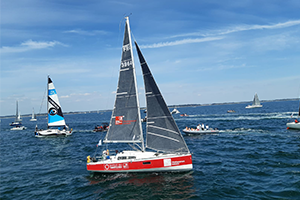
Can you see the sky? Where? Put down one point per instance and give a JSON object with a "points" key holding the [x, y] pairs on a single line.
{"points": [[199, 52]]}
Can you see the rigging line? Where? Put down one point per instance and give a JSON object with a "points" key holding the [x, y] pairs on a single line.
{"points": [[42, 101]]}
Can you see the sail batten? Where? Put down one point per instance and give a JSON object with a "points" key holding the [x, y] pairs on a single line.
{"points": [[163, 129]]}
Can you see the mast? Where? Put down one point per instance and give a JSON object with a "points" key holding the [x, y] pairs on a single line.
{"points": [[17, 115], [136, 88]]}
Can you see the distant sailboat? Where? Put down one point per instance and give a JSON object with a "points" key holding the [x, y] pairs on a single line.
{"points": [[17, 118], [17, 124], [295, 124], [170, 152], [256, 103], [56, 121], [33, 117], [175, 111]]}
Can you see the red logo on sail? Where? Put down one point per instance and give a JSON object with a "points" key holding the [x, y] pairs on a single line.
{"points": [[119, 120]]}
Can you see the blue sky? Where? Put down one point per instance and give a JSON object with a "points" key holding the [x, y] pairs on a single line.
{"points": [[204, 51]]}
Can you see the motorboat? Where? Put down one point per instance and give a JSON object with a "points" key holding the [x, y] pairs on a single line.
{"points": [[295, 124], [200, 131]]}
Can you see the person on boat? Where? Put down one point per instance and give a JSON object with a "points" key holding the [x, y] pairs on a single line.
{"points": [[107, 153], [202, 126], [198, 127], [296, 121], [207, 127]]}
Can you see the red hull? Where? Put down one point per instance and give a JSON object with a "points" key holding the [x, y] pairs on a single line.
{"points": [[171, 163]]}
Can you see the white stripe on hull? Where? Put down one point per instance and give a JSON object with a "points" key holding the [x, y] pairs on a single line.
{"points": [[181, 168]]}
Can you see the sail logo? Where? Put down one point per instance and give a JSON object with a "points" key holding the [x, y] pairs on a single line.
{"points": [[52, 92], [52, 111], [126, 47], [126, 63], [119, 120]]}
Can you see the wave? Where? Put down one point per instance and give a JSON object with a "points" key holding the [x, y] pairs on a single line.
{"points": [[243, 130]]}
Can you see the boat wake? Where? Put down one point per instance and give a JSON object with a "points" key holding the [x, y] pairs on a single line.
{"points": [[228, 117]]}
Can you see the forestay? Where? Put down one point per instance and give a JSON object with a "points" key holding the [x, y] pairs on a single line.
{"points": [[162, 131]]}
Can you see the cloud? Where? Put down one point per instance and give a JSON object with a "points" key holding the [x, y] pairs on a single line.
{"points": [[259, 27], [31, 45], [241, 28], [88, 33], [64, 97], [180, 42], [224, 67]]}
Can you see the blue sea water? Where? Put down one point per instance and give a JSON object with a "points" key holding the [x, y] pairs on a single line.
{"points": [[253, 157]]}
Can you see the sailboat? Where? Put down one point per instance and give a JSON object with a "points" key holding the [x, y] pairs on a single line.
{"points": [[56, 122], [165, 148], [33, 117], [18, 119], [17, 124], [256, 103], [295, 124], [175, 111]]}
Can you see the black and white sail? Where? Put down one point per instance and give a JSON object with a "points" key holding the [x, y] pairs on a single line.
{"points": [[256, 100], [55, 114], [162, 131], [125, 125]]}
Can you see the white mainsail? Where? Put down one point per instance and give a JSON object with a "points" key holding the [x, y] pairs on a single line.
{"points": [[33, 117]]}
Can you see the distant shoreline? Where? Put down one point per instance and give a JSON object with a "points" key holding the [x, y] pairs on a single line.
{"points": [[170, 106]]}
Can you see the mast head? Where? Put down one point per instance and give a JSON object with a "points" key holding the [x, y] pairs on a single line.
{"points": [[127, 16]]}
